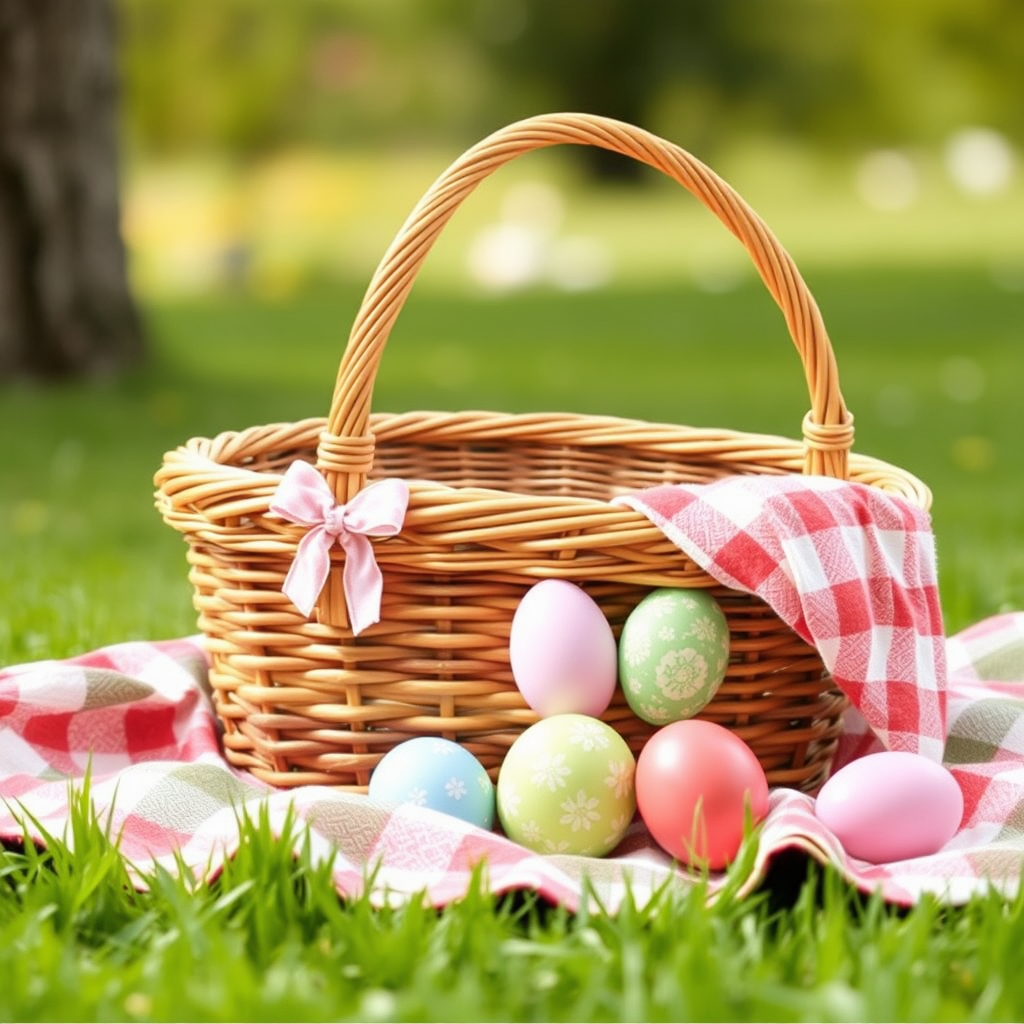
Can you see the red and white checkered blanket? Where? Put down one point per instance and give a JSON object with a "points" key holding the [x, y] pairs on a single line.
{"points": [[850, 569], [138, 717]]}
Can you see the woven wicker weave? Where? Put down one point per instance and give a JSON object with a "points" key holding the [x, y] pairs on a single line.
{"points": [[497, 503]]}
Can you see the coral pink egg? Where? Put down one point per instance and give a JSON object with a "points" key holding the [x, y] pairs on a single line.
{"points": [[697, 784]]}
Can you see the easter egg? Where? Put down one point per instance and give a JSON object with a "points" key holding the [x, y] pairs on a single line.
{"points": [[566, 786], [697, 784], [890, 806], [673, 653], [436, 773], [562, 651]]}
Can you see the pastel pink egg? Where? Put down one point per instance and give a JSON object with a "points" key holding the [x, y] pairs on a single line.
{"points": [[891, 806], [562, 651]]}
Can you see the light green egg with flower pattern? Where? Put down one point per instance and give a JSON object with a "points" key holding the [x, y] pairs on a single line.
{"points": [[566, 786], [673, 654]]}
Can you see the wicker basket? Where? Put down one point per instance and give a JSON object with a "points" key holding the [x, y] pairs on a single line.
{"points": [[497, 502]]}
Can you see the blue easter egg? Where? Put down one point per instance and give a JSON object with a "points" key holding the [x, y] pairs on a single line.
{"points": [[435, 773]]}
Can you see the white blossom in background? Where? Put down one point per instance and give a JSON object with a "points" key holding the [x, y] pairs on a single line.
{"points": [[506, 257], [980, 161], [526, 246], [887, 180]]}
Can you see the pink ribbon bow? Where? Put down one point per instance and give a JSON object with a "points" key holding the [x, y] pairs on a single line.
{"points": [[377, 511]]}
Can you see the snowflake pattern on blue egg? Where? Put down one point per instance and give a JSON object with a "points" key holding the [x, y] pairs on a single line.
{"points": [[436, 773]]}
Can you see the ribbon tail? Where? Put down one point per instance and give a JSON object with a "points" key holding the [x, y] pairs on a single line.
{"points": [[309, 569], [363, 582]]}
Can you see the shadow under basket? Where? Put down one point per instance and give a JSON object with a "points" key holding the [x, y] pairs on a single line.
{"points": [[497, 503]]}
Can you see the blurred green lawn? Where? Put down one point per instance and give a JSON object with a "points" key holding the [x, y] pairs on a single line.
{"points": [[930, 345], [929, 364]]}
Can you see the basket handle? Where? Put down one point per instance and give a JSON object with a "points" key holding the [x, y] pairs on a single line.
{"points": [[345, 451]]}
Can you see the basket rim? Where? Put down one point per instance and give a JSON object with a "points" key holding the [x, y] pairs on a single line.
{"points": [[220, 460]]}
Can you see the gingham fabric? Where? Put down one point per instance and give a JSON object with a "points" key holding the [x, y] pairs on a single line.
{"points": [[849, 568], [137, 716], [140, 714]]}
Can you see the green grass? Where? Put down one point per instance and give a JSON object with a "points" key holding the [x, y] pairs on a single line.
{"points": [[85, 561], [269, 940]]}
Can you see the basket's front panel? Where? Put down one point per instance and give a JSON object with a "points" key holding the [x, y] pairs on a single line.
{"points": [[306, 703], [493, 510]]}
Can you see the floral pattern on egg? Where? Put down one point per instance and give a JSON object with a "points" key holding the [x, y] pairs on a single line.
{"points": [[566, 786], [673, 654]]}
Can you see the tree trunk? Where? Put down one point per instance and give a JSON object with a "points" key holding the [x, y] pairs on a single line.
{"points": [[65, 306]]}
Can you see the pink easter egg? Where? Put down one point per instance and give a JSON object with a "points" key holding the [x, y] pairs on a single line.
{"points": [[562, 651], [891, 806]]}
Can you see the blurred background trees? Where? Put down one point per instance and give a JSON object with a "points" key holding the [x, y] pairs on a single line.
{"points": [[265, 140], [245, 75], [286, 88], [65, 306]]}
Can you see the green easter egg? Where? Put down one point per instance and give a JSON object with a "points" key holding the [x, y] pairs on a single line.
{"points": [[566, 786], [673, 653]]}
